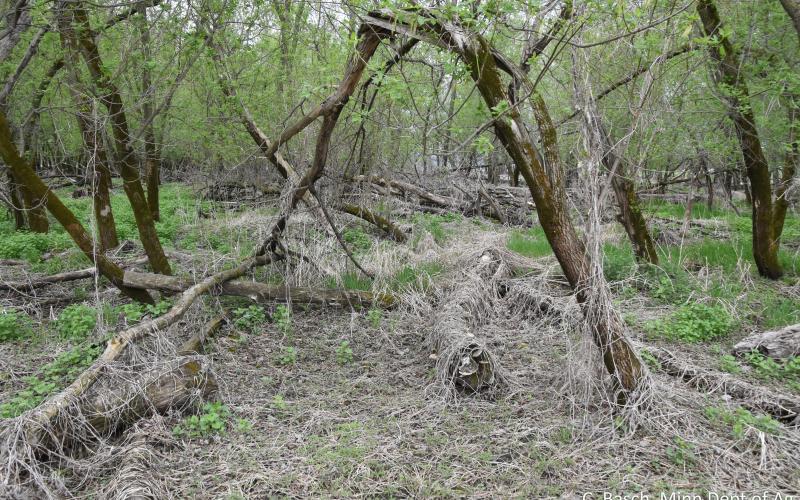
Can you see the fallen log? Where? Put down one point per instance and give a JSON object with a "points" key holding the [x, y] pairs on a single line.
{"points": [[782, 407], [778, 344], [463, 360], [197, 342], [383, 223], [261, 292], [121, 402], [38, 424], [64, 277], [440, 201]]}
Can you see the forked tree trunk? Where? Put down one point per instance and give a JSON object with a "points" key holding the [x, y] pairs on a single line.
{"points": [[737, 95], [91, 133], [25, 174], [73, 20]]}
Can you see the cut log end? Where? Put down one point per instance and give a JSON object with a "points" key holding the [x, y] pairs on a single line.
{"points": [[472, 369]]}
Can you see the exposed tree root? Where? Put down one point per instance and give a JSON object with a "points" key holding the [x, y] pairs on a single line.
{"points": [[782, 407]]}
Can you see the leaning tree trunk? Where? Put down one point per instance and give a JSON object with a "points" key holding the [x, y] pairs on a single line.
{"points": [[25, 174], [91, 133], [543, 175], [630, 216], [546, 186], [737, 95], [791, 163]]}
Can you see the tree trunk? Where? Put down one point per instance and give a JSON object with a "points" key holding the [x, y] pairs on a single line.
{"points": [[261, 292], [792, 8], [630, 216], [17, 208], [790, 166], [84, 36], [737, 95], [152, 163], [544, 178], [25, 174]]}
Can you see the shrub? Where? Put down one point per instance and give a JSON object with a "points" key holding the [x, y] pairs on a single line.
{"points": [[694, 323], [76, 321], [14, 325]]}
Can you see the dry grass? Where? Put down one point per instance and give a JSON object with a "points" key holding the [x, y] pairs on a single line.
{"points": [[378, 425]]}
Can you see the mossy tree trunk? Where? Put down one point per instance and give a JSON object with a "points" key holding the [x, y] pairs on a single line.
{"points": [[91, 134], [737, 95], [543, 173], [42, 195], [74, 18], [152, 162]]}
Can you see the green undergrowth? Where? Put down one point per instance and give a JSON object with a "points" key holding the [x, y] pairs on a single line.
{"points": [[435, 225], [529, 242], [694, 323], [740, 420], [178, 206], [51, 378], [14, 325]]}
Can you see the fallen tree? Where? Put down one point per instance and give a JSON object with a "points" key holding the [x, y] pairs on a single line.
{"points": [[44, 429], [778, 344], [463, 360], [261, 292], [782, 407]]}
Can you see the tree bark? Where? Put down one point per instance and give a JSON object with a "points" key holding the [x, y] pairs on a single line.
{"points": [[792, 8], [778, 344], [791, 164], [73, 15], [782, 407], [737, 95], [261, 292], [152, 162], [25, 174]]}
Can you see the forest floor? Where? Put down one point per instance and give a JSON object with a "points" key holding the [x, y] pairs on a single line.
{"points": [[333, 402]]}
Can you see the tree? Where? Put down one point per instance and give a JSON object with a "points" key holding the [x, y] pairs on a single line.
{"points": [[73, 17], [43, 195], [731, 83]]}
